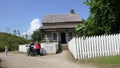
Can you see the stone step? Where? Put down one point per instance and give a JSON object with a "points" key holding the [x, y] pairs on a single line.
{"points": [[64, 46]]}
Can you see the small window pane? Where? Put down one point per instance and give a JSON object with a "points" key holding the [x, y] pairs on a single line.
{"points": [[70, 35], [54, 36]]}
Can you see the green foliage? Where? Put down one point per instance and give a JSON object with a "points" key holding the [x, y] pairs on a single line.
{"points": [[80, 29], [36, 36], [104, 17], [11, 41], [18, 33]]}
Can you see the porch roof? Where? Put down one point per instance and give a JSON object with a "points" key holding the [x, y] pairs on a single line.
{"points": [[60, 26]]}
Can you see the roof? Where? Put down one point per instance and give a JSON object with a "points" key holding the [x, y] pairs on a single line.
{"points": [[61, 18], [60, 25]]}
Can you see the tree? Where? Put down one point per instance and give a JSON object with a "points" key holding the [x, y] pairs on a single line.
{"points": [[36, 35], [15, 32], [80, 29], [104, 17], [18, 32], [26, 36], [7, 29]]}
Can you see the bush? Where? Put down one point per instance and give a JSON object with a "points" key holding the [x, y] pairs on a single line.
{"points": [[11, 41]]}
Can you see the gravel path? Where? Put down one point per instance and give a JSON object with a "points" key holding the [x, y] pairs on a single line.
{"points": [[62, 60]]}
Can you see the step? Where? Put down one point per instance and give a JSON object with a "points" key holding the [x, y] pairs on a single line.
{"points": [[64, 46]]}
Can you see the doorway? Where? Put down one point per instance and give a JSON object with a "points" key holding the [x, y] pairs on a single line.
{"points": [[63, 38]]}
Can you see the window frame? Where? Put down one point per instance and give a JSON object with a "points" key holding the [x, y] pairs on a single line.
{"points": [[56, 36], [70, 37]]}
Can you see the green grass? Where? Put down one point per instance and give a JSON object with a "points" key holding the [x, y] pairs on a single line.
{"points": [[12, 41], [111, 60]]}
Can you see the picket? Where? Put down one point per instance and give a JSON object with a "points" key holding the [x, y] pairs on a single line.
{"points": [[72, 47], [95, 46]]}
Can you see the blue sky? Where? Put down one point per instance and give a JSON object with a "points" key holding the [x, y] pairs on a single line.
{"points": [[19, 14]]}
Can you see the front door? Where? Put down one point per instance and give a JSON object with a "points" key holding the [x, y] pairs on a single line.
{"points": [[63, 38]]}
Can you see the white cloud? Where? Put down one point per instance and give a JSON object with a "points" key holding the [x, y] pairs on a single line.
{"points": [[34, 24]]}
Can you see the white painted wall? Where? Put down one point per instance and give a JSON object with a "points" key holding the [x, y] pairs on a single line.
{"points": [[49, 48], [22, 48]]}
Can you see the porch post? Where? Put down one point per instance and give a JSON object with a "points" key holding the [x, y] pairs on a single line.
{"points": [[41, 38], [59, 42], [58, 36]]}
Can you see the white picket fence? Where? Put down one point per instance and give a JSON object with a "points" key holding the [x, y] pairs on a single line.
{"points": [[95, 46]]}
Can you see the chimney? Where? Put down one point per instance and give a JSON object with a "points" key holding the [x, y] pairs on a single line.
{"points": [[72, 11]]}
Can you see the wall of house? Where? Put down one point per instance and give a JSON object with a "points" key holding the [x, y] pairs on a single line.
{"points": [[49, 35]]}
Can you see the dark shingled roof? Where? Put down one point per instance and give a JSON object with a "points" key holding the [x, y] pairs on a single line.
{"points": [[61, 21], [61, 18]]}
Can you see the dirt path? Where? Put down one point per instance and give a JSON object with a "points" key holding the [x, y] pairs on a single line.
{"points": [[62, 60]]}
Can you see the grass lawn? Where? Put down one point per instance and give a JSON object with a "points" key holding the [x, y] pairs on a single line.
{"points": [[110, 61]]}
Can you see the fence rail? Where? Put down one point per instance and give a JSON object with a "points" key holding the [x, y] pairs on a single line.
{"points": [[95, 46]]}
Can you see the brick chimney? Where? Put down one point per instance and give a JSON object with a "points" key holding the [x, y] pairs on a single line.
{"points": [[72, 11]]}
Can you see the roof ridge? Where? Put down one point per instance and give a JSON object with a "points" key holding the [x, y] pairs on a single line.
{"points": [[59, 14], [61, 18]]}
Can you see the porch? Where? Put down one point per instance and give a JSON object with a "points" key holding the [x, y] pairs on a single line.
{"points": [[62, 36]]}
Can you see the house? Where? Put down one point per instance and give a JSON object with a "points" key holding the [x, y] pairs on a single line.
{"points": [[60, 27]]}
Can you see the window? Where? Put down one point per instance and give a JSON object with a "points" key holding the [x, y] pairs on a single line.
{"points": [[70, 35], [54, 36]]}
